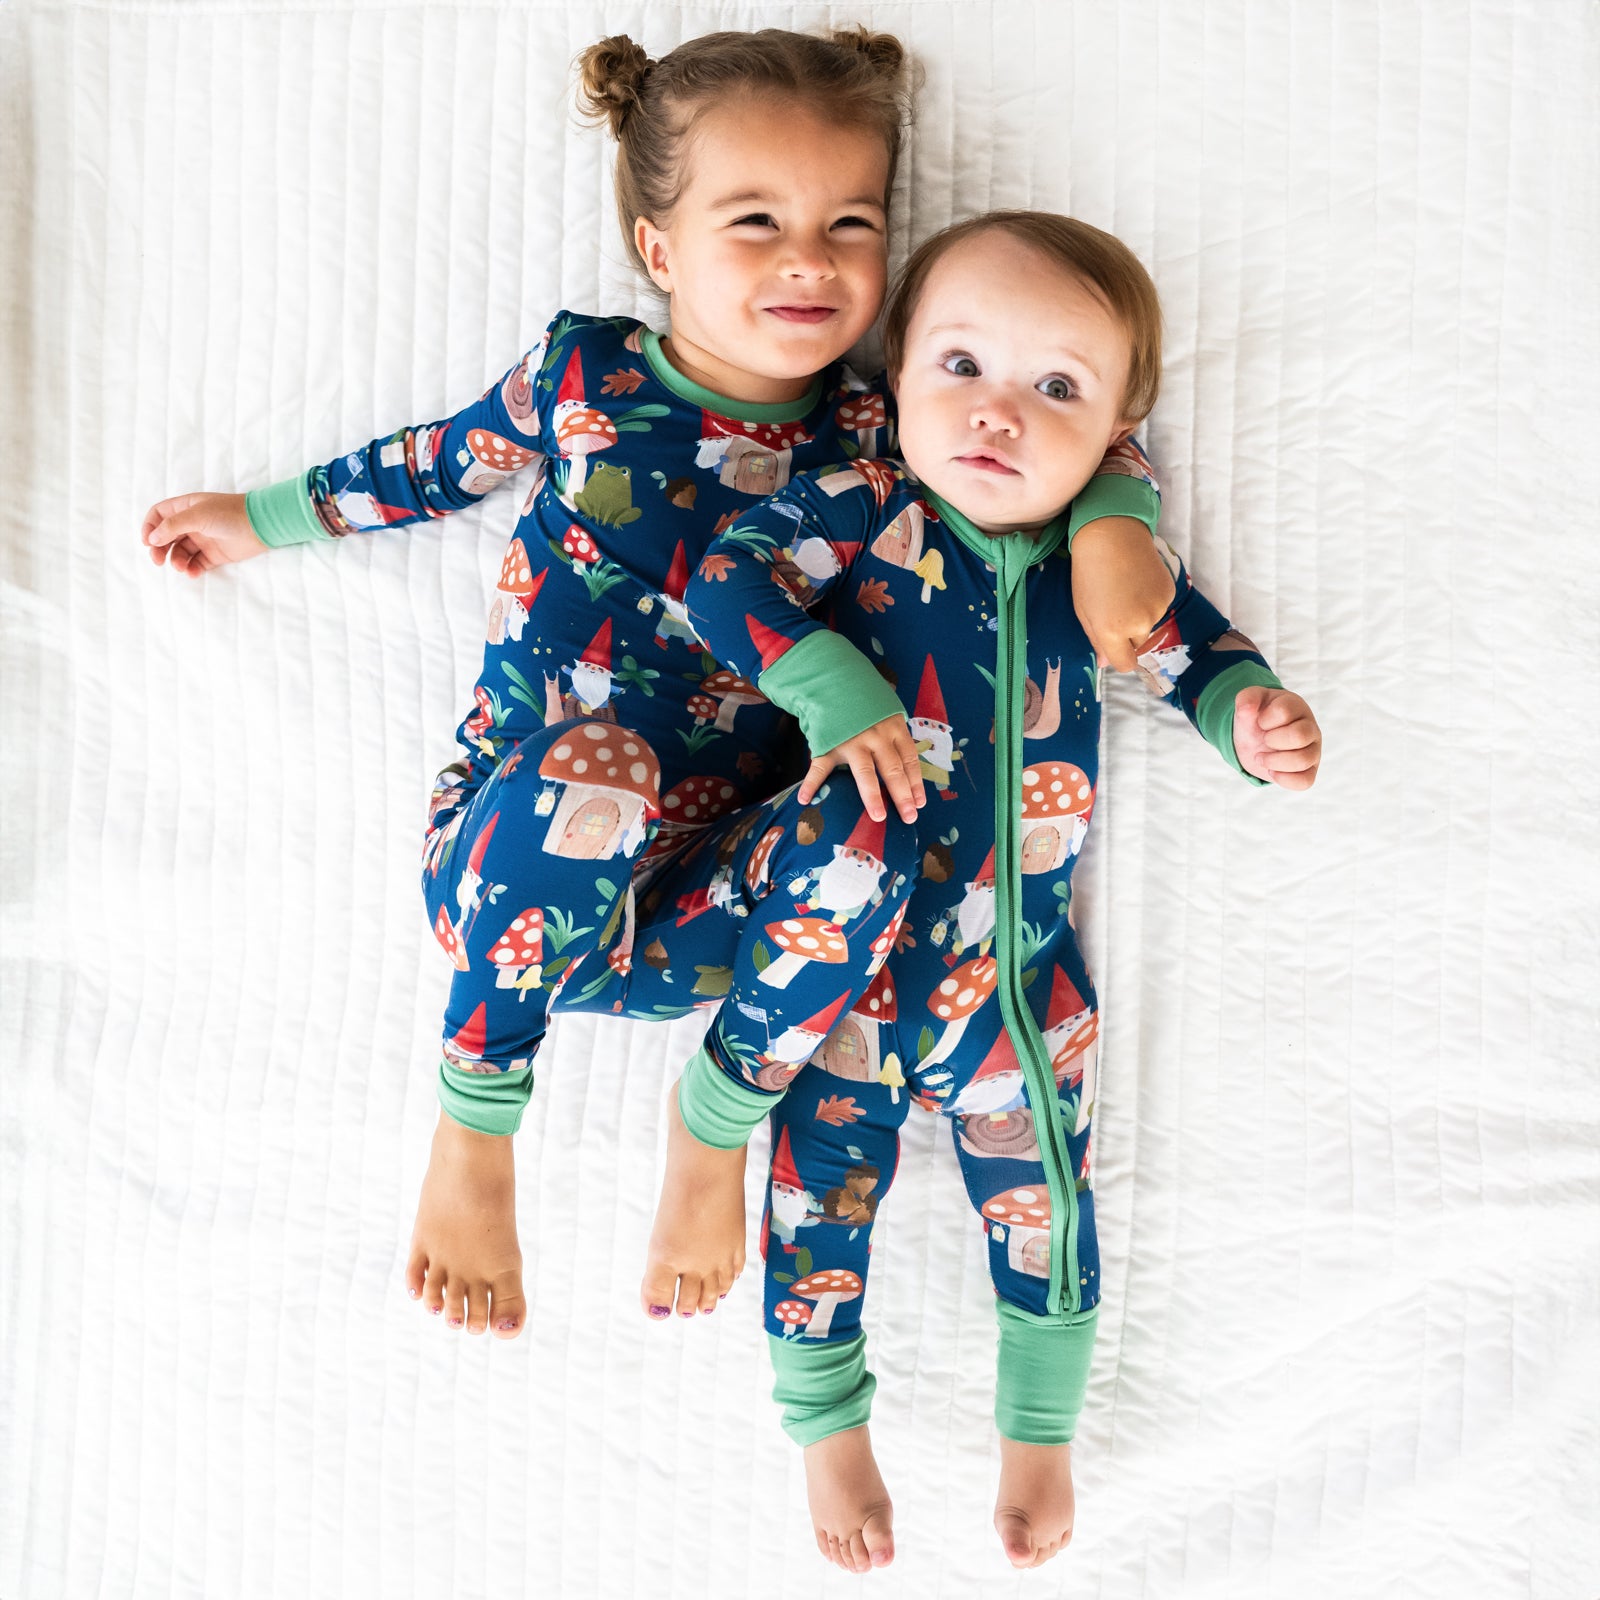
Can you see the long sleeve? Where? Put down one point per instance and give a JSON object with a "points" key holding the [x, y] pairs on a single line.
{"points": [[1198, 661], [754, 597], [415, 474]]}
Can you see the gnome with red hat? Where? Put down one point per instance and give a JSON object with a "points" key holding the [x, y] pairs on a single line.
{"points": [[591, 673], [931, 729], [849, 882]]}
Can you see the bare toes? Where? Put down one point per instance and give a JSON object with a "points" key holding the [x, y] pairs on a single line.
{"points": [[510, 1309], [477, 1308], [433, 1295]]}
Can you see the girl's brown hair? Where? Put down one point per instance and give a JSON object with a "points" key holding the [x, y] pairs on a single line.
{"points": [[1098, 259], [850, 76]]}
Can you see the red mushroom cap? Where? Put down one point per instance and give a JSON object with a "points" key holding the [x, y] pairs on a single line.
{"points": [[493, 451], [967, 987], [522, 944], [795, 1312], [578, 544], [1021, 1208], [1055, 789], [814, 937], [600, 755], [584, 431], [831, 1280], [697, 799]]}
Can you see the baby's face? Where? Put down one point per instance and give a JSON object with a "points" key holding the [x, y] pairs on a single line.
{"points": [[1010, 389]]}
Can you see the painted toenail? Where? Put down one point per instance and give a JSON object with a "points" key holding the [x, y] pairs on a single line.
{"points": [[660, 1311], [416, 1294], [508, 1325], [455, 1322], [434, 1311]]}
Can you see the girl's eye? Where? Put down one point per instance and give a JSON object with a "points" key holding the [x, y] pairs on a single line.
{"points": [[1057, 389], [960, 366], [853, 222], [756, 219]]}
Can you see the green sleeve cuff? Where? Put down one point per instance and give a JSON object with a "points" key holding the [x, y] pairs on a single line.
{"points": [[487, 1102], [1213, 712], [1042, 1373], [833, 690], [717, 1110], [282, 514], [1113, 494], [823, 1388]]}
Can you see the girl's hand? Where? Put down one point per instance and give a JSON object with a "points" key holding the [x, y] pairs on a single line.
{"points": [[887, 748], [197, 532], [1276, 737], [1120, 587]]}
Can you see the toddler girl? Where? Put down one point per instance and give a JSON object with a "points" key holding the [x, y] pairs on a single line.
{"points": [[937, 589], [753, 179]]}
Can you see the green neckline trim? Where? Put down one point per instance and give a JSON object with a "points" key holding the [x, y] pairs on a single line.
{"points": [[723, 405], [989, 545]]}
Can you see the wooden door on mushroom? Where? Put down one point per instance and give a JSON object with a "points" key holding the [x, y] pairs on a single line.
{"points": [[592, 829]]}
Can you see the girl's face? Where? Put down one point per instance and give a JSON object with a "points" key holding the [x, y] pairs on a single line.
{"points": [[775, 254], [1010, 389]]}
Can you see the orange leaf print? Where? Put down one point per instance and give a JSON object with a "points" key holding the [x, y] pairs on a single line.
{"points": [[623, 381], [873, 595], [717, 567], [837, 1111], [724, 522]]}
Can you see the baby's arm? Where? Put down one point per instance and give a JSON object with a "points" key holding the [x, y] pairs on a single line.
{"points": [[1120, 586], [751, 604], [1199, 662], [415, 474]]}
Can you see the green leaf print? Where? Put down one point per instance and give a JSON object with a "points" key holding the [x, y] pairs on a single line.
{"points": [[630, 421], [759, 957], [522, 690], [924, 1043], [802, 1262], [593, 987], [696, 738], [559, 931], [988, 676], [854, 1154], [632, 672], [784, 1277]]}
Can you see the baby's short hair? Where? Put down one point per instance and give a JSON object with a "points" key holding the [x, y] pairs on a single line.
{"points": [[1099, 259]]}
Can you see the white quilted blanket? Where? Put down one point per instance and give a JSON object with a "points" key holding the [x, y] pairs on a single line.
{"points": [[1347, 1151]]}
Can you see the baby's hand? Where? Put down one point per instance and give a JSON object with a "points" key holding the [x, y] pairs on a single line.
{"points": [[197, 532], [1120, 587], [886, 747], [1276, 737]]}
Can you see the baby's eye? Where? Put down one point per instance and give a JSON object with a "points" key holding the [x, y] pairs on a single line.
{"points": [[1057, 388], [960, 366], [854, 222]]}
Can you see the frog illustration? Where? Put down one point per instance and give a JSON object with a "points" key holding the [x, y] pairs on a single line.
{"points": [[608, 496]]}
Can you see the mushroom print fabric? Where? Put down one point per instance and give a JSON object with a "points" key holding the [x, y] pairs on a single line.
{"points": [[984, 1010], [780, 915]]}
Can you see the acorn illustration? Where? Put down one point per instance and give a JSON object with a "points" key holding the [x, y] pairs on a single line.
{"points": [[655, 953], [681, 492], [809, 828], [937, 863]]}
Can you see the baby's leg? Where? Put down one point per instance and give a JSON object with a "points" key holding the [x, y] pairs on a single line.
{"points": [[836, 1144], [788, 911], [1043, 1362], [521, 886]]}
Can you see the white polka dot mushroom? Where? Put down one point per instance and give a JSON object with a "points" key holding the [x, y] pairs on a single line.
{"points": [[447, 936], [580, 434], [863, 415], [1020, 1220], [957, 999], [493, 460], [830, 1288], [1057, 798], [688, 806], [611, 780], [519, 949], [732, 692], [793, 1314], [578, 544], [755, 872], [802, 939]]}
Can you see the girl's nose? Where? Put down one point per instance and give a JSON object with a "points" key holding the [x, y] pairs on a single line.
{"points": [[808, 258]]}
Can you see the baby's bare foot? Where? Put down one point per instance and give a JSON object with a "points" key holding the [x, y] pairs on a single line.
{"points": [[697, 1244], [1033, 1514], [850, 1509], [464, 1252]]}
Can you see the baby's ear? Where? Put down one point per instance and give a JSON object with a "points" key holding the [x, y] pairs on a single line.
{"points": [[1125, 430]]}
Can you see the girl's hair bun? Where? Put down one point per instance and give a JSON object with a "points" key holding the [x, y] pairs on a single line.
{"points": [[611, 77], [883, 50]]}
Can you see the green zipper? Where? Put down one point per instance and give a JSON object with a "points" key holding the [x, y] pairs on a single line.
{"points": [[1011, 555]]}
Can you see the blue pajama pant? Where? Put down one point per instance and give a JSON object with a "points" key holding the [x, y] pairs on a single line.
{"points": [[548, 889]]}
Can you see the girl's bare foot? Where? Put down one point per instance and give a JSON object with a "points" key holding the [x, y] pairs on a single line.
{"points": [[1033, 1514], [697, 1243], [465, 1262], [850, 1510]]}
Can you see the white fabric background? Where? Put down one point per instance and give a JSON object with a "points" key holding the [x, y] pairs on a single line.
{"points": [[1346, 1150]]}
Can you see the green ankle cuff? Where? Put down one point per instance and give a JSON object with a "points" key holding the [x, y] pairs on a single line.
{"points": [[282, 514], [718, 1111], [823, 1388], [1042, 1373], [488, 1102]]}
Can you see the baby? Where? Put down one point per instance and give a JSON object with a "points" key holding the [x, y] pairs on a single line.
{"points": [[933, 597]]}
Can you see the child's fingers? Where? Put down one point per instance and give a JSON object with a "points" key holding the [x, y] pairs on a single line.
{"points": [[1279, 708], [816, 776], [1302, 731], [1294, 780], [895, 780], [1293, 760], [905, 752], [867, 782]]}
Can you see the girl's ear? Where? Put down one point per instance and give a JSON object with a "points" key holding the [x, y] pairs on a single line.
{"points": [[651, 244]]}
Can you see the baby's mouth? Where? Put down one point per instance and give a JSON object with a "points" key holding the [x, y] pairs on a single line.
{"points": [[801, 313], [983, 461]]}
